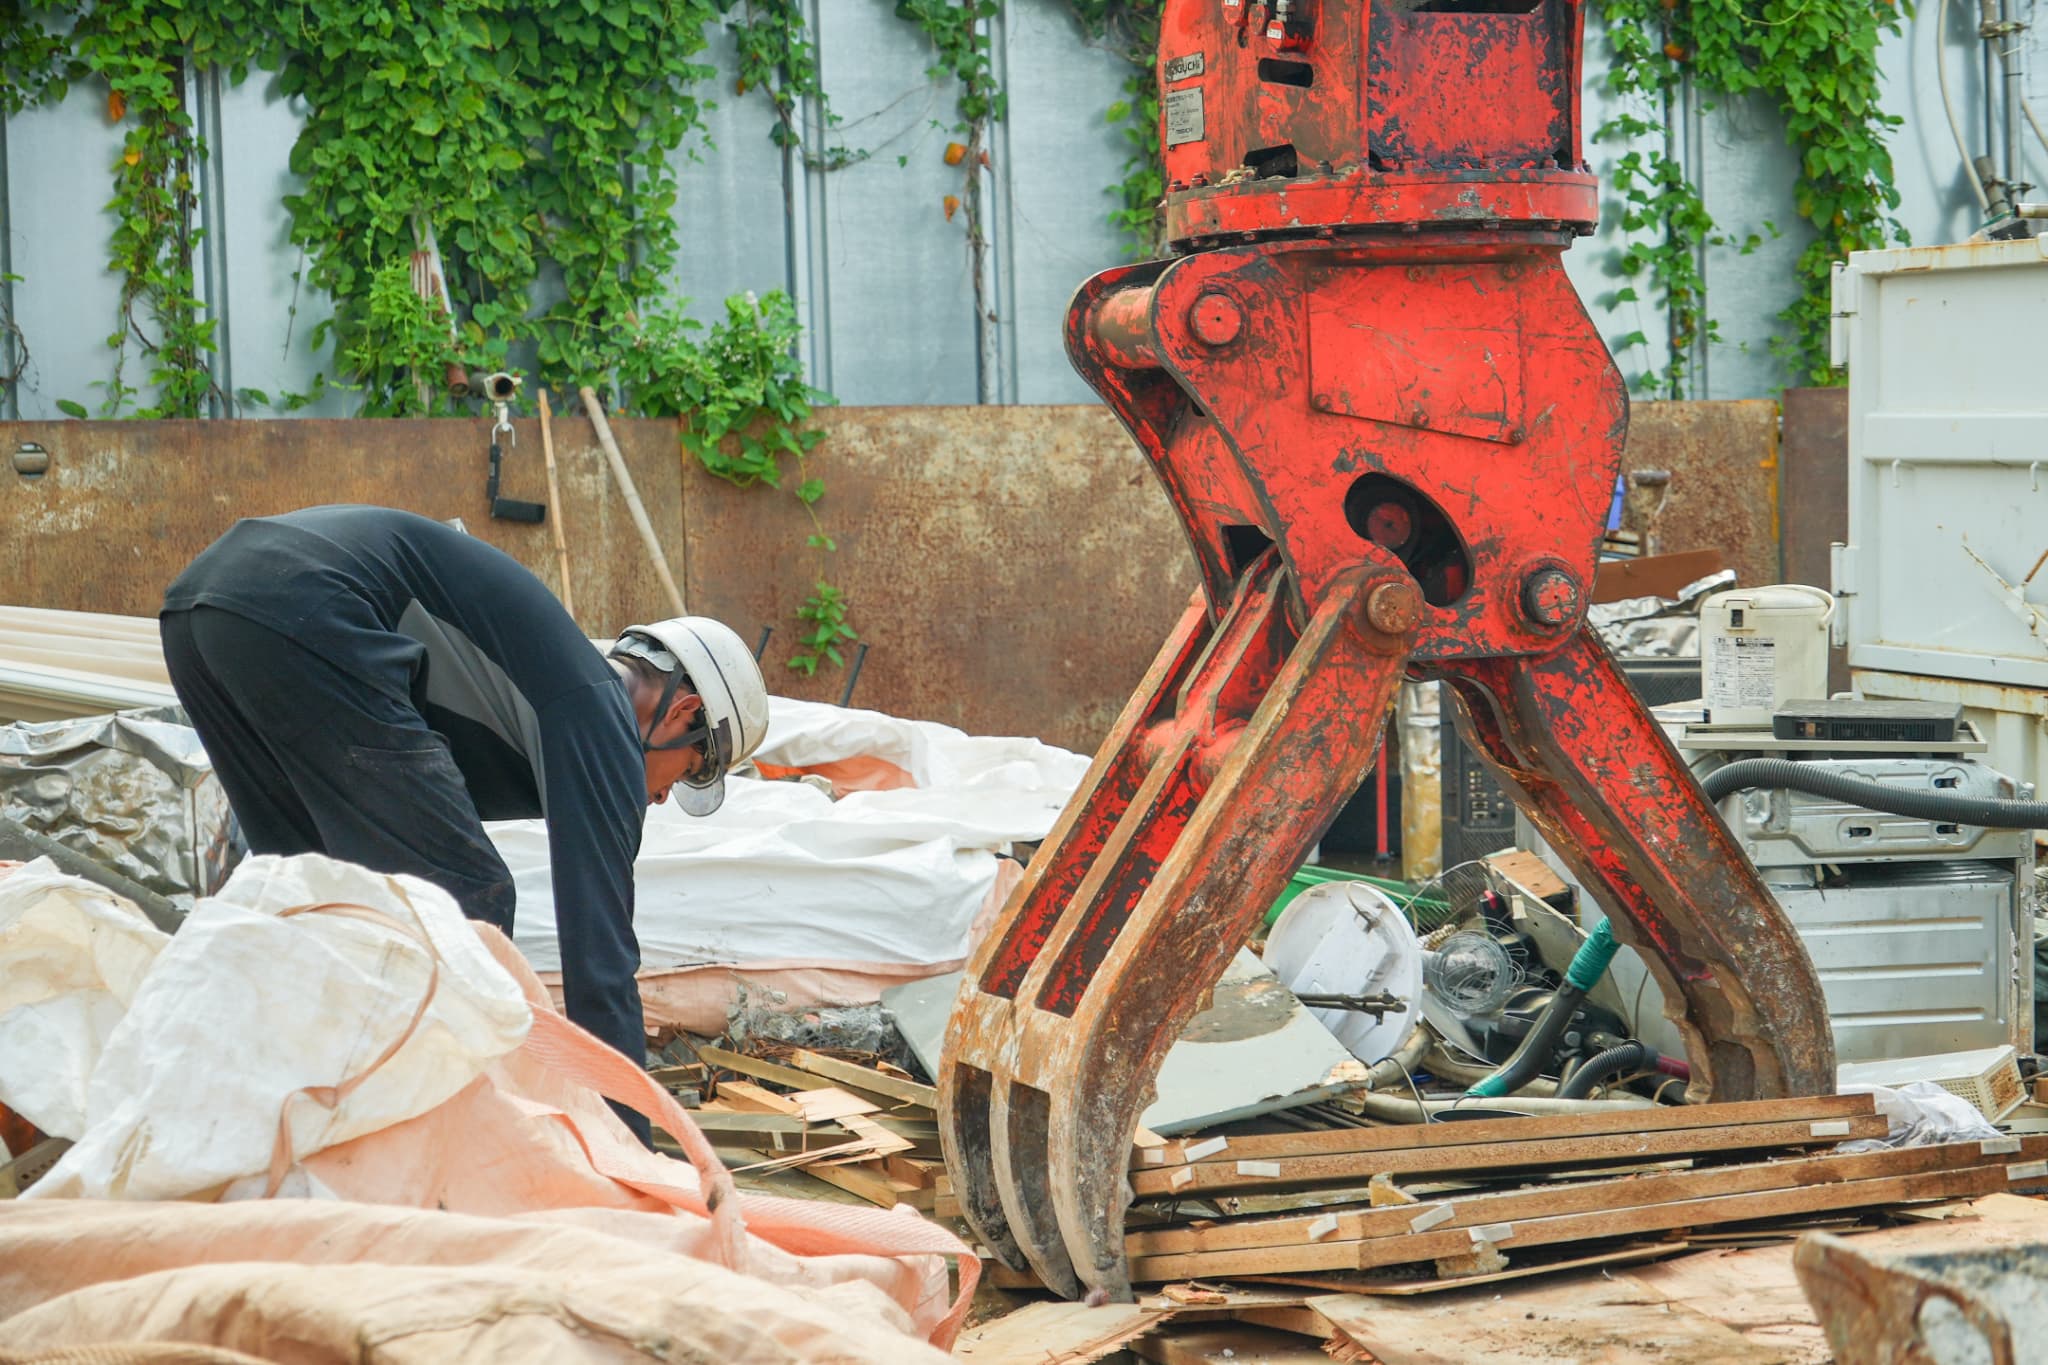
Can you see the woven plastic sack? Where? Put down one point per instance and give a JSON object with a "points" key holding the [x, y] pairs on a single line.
{"points": [[72, 956], [309, 1003]]}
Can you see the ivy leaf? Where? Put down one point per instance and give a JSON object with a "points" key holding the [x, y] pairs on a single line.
{"points": [[810, 490], [71, 408]]}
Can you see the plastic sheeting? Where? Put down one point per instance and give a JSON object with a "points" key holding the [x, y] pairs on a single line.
{"points": [[302, 1283], [55, 664], [134, 792], [783, 874], [326, 1031]]}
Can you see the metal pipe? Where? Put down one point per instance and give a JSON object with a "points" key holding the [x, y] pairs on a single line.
{"points": [[1440, 1063], [2008, 41], [1401, 1109], [1399, 1067], [1948, 106], [1122, 323]]}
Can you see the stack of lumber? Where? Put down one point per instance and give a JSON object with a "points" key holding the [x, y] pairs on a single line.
{"points": [[1733, 1308], [1429, 1202], [862, 1127]]}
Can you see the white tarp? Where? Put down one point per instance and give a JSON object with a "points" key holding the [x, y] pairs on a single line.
{"points": [[783, 872]]}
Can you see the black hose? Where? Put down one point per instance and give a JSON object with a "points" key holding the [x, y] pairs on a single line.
{"points": [[1537, 1045], [1598, 1067], [1983, 811]]}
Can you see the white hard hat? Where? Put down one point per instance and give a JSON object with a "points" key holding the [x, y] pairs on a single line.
{"points": [[720, 668]]}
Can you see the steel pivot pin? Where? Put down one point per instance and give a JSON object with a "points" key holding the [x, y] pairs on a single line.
{"points": [[1393, 608], [1551, 597], [1216, 319]]}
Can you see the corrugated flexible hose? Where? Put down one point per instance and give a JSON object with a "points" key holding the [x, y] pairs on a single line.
{"points": [[1984, 811], [1612, 1061]]}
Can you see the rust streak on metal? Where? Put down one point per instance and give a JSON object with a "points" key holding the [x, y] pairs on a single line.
{"points": [[126, 505]]}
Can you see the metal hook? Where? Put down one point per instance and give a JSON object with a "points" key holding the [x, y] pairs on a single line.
{"points": [[504, 423]]}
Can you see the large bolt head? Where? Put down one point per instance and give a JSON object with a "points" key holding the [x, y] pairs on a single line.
{"points": [[1551, 597], [1394, 608], [1216, 319]]}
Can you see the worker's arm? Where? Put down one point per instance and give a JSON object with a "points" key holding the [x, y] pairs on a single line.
{"points": [[596, 803]]}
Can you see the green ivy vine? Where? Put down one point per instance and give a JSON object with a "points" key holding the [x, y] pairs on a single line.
{"points": [[1817, 61], [1130, 28], [512, 136]]}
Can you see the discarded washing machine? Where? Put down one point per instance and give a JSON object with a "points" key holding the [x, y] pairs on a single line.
{"points": [[1876, 826], [1866, 821]]}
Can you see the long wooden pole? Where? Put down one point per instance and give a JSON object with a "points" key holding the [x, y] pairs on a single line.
{"points": [[632, 496], [547, 445]]}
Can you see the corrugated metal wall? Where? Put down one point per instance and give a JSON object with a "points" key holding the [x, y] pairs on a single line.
{"points": [[886, 284]]}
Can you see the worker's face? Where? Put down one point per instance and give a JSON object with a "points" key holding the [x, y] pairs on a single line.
{"points": [[666, 767]]}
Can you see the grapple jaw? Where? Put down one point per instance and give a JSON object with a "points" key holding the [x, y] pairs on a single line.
{"points": [[1391, 434]]}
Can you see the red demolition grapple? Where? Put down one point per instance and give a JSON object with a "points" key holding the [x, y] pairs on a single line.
{"points": [[1392, 434]]}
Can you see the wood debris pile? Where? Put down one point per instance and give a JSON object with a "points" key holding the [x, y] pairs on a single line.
{"points": [[865, 1127]]}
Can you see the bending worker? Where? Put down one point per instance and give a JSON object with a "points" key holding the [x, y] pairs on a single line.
{"points": [[374, 685]]}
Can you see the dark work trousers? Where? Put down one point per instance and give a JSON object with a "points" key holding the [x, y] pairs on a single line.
{"points": [[316, 760]]}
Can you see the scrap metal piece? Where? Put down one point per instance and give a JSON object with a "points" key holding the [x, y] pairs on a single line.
{"points": [[1949, 1308]]}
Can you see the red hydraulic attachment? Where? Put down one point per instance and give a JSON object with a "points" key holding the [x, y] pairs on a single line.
{"points": [[1392, 434]]}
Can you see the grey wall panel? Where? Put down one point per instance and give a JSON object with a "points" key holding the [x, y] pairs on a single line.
{"points": [[1935, 200], [883, 281], [898, 289], [273, 314], [1748, 175], [1063, 159], [59, 178], [733, 214], [1593, 263]]}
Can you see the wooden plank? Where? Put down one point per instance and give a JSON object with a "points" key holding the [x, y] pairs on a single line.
{"points": [[1357, 1282], [866, 1078], [923, 1174], [1057, 1333], [1657, 1118], [1002, 1277], [1551, 1199], [819, 1106], [875, 1186], [1300, 1321], [876, 1141], [1630, 1222], [1588, 1320], [1529, 872], [723, 1059], [1279, 1173], [685, 1074], [1229, 1344], [748, 1098], [756, 1124]]}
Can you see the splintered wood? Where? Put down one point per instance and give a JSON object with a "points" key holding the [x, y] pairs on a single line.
{"points": [[1763, 1167], [867, 1131]]}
